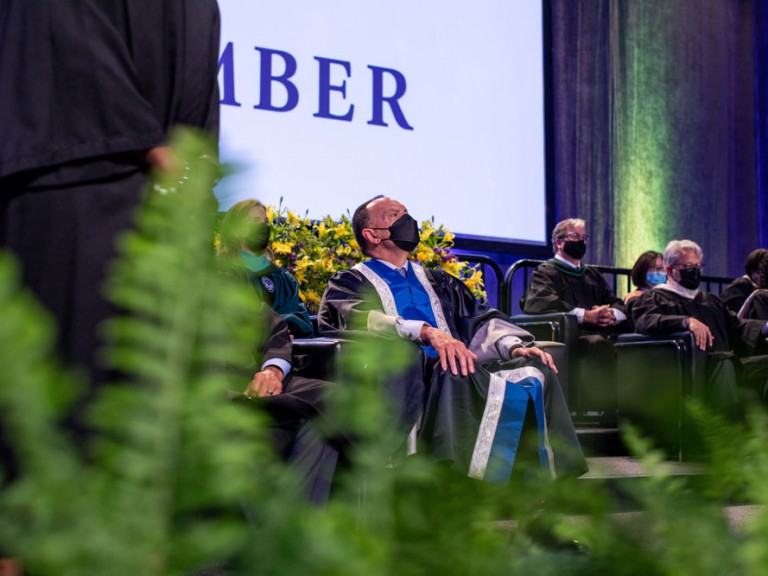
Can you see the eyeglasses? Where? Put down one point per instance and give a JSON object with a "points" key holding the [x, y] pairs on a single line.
{"points": [[690, 267], [575, 236]]}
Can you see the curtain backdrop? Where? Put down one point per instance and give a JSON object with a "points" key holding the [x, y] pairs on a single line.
{"points": [[657, 126]]}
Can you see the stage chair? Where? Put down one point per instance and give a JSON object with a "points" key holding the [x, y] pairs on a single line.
{"points": [[655, 375]]}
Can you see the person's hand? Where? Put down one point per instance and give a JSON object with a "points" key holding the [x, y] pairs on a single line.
{"points": [[600, 316], [546, 357], [163, 158], [701, 333], [268, 382], [452, 352]]}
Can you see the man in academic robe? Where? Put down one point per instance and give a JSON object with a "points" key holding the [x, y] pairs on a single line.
{"points": [[679, 305], [736, 293], [565, 284], [475, 375], [294, 405]]}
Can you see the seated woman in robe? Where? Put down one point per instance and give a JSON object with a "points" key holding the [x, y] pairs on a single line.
{"points": [[647, 272], [245, 232]]}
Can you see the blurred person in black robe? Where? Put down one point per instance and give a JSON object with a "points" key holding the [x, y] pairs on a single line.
{"points": [[88, 95], [736, 293], [679, 305], [89, 92], [565, 284], [294, 405], [469, 359]]}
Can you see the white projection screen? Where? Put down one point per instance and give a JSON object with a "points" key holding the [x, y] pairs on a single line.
{"points": [[439, 104]]}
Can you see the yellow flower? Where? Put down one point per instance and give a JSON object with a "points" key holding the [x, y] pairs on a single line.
{"points": [[342, 230], [291, 218], [425, 254], [325, 247], [281, 247], [452, 267]]}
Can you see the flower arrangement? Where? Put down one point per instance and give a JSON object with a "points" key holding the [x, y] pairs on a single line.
{"points": [[313, 251]]}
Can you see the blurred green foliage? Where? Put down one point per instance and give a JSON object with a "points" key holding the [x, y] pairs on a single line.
{"points": [[182, 481]]}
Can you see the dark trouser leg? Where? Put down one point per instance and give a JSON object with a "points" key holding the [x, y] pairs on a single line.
{"points": [[314, 459], [755, 375], [721, 391], [297, 438]]}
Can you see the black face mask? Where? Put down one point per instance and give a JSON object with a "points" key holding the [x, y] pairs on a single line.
{"points": [[404, 233], [575, 248], [258, 237], [690, 278]]}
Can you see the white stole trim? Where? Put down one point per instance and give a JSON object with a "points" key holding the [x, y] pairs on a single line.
{"points": [[382, 288], [434, 301], [388, 300]]}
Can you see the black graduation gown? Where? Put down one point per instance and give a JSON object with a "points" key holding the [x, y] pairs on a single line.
{"points": [[557, 287], [87, 88], [451, 405], [662, 311], [737, 292], [756, 306]]}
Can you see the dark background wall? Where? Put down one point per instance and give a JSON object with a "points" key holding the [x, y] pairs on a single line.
{"points": [[659, 126]]}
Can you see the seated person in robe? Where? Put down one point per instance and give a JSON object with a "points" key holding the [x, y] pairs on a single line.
{"points": [[755, 307], [735, 294], [679, 304], [647, 272], [474, 375], [245, 234], [293, 403], [565, 284]]}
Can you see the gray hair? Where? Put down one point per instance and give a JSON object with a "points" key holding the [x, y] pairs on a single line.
{"points": [[562, 226], [673, 253]]}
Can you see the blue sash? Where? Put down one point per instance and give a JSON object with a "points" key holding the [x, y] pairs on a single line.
{"points": [[506, 437], [411, 298]]}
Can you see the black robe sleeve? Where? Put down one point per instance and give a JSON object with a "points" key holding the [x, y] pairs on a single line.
{"points": [[277, 344], [652, 314], [756, 307], [735, 294], [545, 292], [346, 303]]}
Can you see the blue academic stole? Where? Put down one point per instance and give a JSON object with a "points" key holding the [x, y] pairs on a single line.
{"points": [[519, 397], [411, 299]]}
